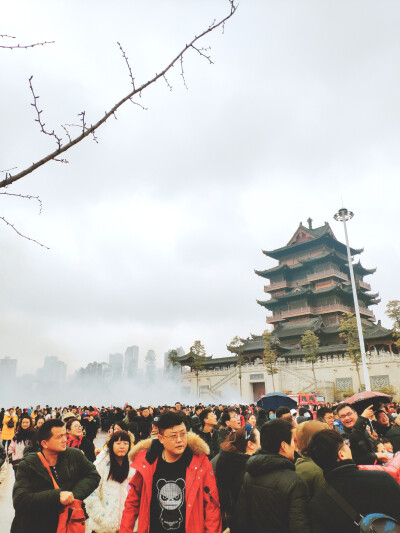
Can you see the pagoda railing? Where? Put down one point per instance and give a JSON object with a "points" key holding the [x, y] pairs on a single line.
{"points": [[320, 310], [311, 277], [326, 273]]}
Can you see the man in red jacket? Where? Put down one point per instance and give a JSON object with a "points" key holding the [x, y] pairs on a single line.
{"points": [[174, 488]]}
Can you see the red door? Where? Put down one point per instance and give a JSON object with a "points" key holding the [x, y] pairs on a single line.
{"points": [[258, 390]]}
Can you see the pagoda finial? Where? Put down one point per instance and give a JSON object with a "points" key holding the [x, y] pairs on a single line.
{"points": [[309, 220]]}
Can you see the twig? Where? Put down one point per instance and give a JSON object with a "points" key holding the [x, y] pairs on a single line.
{"points": [[201, 52], [183, 73], [128, 65], [26, 197], [39, 118], [11, 179], [22, 235], [167, 82], [22, 46]]}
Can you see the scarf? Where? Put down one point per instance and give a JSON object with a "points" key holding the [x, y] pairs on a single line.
{"points": [[74, 442]]}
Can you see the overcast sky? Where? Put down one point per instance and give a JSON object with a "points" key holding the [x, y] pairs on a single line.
{"points": [[155, 232]]}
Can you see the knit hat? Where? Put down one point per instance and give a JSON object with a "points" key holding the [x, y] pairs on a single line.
{"points": [[305, 431]]}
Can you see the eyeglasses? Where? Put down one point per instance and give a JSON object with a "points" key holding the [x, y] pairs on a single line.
{"points": [[235, 416], [346, 415], [182, 435]]}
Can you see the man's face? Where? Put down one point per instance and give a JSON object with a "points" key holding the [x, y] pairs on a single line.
{"points": [[348, 417], [198, 411], [211, 419], [58, 441], [178, 407], [383, 419], [234, 421], [174, 439], [287, 450], [145, 413], [329, 419]]}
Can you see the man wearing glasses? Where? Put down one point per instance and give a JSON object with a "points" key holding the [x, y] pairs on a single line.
{"points": [[174, 488], [356, 434]]}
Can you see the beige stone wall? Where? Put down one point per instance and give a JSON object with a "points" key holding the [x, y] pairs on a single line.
{"points": [[332, 376]]}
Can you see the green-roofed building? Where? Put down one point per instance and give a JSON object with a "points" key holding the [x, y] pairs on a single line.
{"points": [[310, 289]]}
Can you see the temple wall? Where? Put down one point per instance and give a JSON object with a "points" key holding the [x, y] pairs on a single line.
{"points": [[333, 375]]}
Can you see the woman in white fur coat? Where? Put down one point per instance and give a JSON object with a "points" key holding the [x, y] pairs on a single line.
{"points": [[105, 505]]}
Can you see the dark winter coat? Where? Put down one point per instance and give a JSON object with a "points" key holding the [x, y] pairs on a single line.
{"points": [[229, 470], [144, 427], [273, 498], [394, 436], [219, 436], [36, 502], [87, 447], [360, 442], [366, 491], [208, 438], [311, 473]]}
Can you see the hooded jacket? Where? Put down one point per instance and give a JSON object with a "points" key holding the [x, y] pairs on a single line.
{"points": [[201, 495], [273, 497], [37, 502], [105, 505]]}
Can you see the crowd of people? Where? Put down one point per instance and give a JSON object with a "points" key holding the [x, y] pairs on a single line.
{"points": [[199, 469]]}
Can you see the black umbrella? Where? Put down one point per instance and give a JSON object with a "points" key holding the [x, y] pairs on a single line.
{"points": [[273, 400]]}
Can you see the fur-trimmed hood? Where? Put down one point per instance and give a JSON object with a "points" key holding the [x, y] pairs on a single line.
{"points": [[196, 444]]}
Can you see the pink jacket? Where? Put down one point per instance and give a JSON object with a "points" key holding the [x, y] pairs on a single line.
{"points": [[392, 467]]}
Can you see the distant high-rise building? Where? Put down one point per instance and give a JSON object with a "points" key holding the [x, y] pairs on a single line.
{"points": [[53, 370], [8, 369], [116, 361], [167, 364], [150, 360], [131, 361]]}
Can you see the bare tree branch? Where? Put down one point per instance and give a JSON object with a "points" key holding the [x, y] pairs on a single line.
{"points": [[128, 65], [12, 47], [88, 131], [26, 197], [39, 119], [22, 235]]}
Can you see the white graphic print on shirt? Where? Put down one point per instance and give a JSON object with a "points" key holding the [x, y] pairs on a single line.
{"points": [[171, 496]]}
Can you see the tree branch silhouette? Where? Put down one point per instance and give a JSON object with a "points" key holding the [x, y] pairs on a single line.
{"points": [[89, 130]]}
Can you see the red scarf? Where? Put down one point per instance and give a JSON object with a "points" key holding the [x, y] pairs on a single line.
{"points": [[74, 442]]}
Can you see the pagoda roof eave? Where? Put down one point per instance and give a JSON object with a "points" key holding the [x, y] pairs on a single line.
{"points": [[364, 271], [285, 250]]}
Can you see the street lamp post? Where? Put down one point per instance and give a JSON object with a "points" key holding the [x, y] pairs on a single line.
{"points": [[343, 215]]}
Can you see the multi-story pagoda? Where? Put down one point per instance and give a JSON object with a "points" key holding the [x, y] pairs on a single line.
{"points": [[310, 289]]}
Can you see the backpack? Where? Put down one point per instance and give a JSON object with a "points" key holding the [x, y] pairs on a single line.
{"points": [[371, 523], [10, 423], [379, 523]]}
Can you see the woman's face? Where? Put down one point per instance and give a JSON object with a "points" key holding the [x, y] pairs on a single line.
{"points": [[120, 448], [252, 420], [76, 429], [116, 428], [40, 422], [25, 423]]}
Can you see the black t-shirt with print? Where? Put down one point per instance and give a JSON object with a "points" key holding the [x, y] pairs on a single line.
{"points": [[168, 506]]}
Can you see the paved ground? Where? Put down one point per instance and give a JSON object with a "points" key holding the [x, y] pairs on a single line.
{"points": [[6, 507]]}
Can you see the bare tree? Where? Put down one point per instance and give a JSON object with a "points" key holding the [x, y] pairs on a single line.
{"points": [[64, 139]]}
